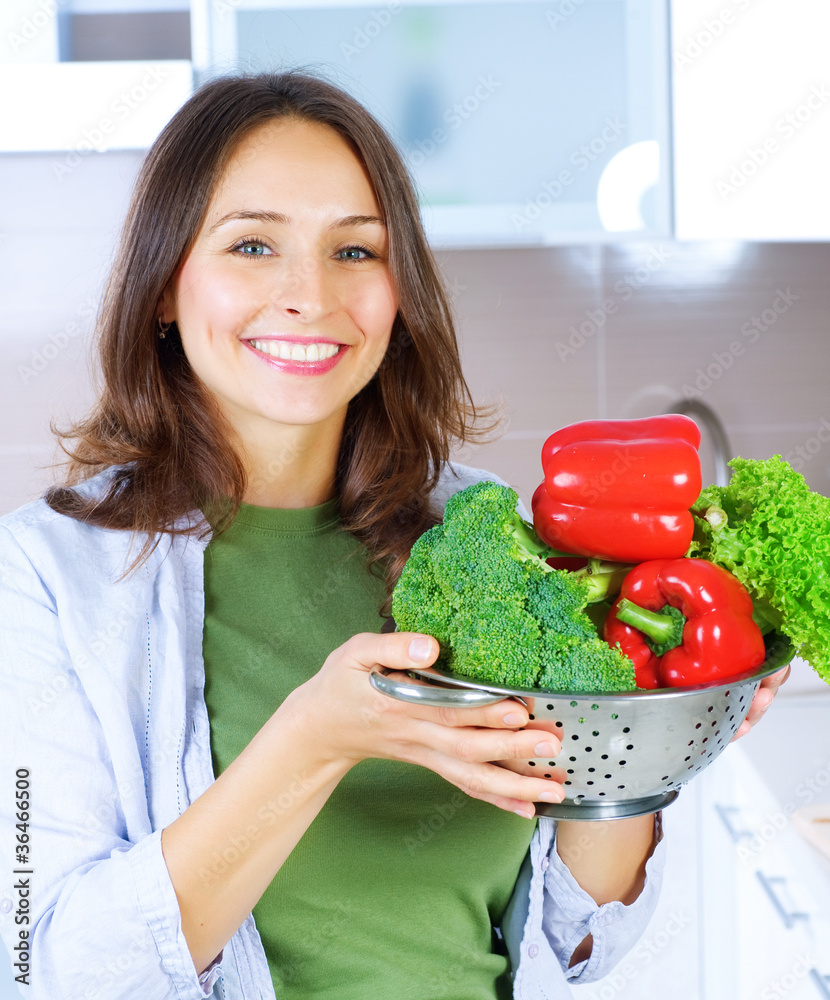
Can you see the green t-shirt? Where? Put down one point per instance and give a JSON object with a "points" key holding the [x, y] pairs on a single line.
{"points": [[394, 888]]}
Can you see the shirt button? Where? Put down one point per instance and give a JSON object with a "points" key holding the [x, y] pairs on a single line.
{"points": [[532, 950], [5, 905], [545, 864]]}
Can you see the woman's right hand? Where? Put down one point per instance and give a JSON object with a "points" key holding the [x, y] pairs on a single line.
{"points": [[347, 720]]}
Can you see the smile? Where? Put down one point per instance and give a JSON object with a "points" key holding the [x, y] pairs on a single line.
{"points": [[287, 351]]}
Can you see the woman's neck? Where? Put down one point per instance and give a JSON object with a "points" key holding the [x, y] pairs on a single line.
{"points": [[292, 466]]}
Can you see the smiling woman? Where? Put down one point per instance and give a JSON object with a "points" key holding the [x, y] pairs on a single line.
{"points": [[223, 805]]}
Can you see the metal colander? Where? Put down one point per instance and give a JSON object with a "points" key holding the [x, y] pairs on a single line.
{"points": [[623, 754]]}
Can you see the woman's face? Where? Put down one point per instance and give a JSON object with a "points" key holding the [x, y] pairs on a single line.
{"points": [[285, 303]]}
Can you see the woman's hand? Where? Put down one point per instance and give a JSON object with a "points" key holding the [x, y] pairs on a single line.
{"points": [[352, 721], [763, 699]]}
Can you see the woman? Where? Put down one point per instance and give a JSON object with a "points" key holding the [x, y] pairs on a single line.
{"points": [[219, 799]]}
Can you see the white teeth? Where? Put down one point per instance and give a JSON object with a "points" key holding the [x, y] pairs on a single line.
{"points": [[287, 351]]}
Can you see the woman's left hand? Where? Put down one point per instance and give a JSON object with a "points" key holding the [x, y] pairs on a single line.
{"points": [[762, 700]]}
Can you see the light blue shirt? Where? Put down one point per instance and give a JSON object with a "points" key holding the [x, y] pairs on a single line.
{"points": [[101, 699]]}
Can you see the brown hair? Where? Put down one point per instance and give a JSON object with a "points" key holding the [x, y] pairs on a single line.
{"points": [[160, 426]]}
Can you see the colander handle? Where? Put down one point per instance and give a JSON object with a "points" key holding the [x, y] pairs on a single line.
{"points": [[429, 694]]}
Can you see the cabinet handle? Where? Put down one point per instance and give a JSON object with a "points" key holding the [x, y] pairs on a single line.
{"points": [[788, 917], [822, 983], [736, 835]]}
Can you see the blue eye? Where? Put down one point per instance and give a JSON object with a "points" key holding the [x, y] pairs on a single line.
{"points": [[250, 248], [356, 250]]}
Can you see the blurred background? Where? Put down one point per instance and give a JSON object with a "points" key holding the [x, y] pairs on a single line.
{"points": [[628, 201]]}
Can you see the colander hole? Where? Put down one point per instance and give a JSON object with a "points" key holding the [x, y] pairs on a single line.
{"points": [[607, 775], [614, 715], [550, 708], [626, 729], [551, 763], [690, 743], [591, 769], [594, 708], [558, 725], [605, 756], [622, 763], [726, 694], [687, 758], [532, 763], [731, 717], [629, 746], [567, 781], [531, 716], [582, 718], [574, 737], [548, 775], [574, 704], [579, 797], [714, 723], [570, 770], [705, 739], [589, 782], [602, 793], [666, 777], [711, 708], [595, 733], [572, 758], [698, 725], [620, 786], [588, 749]]}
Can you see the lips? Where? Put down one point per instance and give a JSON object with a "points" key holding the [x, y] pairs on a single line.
{"points": [[297, 357]]}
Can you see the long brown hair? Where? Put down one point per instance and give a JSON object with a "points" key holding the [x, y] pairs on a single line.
{"points": [[157, 423]]}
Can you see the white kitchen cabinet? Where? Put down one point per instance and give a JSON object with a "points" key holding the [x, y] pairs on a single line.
{"points": [[751, 119], [524, 122], [745, 908]]}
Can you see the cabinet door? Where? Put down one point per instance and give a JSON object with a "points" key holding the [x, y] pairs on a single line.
{"points": [[751, 119], [523, 121]]}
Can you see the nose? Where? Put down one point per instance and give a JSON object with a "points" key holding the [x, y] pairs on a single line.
{"points": [[304, 289]]}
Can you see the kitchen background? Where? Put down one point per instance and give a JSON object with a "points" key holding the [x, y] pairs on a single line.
{"points": [[628, 201]]}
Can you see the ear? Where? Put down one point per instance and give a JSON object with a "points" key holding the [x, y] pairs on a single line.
{"points": [[166, 309]]}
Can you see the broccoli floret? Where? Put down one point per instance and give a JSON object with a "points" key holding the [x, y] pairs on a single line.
{"points": [[480, 584], [773, 533]]}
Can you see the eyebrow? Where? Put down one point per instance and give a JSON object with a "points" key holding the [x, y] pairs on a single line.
{"points": [[280, 219]]}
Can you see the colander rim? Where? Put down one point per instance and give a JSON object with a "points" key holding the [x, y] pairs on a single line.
{"points": [[780, 651]]}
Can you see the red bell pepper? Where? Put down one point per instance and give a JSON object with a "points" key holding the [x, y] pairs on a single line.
{"points": [[684, 622], [620, 489]]}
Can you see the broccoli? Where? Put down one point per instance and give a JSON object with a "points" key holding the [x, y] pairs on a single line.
{"points": [[773, 533], [479, 584]]}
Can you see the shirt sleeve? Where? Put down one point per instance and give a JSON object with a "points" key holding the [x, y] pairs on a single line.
{"points": [[570, 915], [101, 914]]}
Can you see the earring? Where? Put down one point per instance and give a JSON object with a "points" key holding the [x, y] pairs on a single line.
{"points": [[163, 328]]}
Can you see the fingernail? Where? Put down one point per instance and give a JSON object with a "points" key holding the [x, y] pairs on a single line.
{"points": [[513, 719], [545, 750], [420, 648], [524, 815], [552, 796]]}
